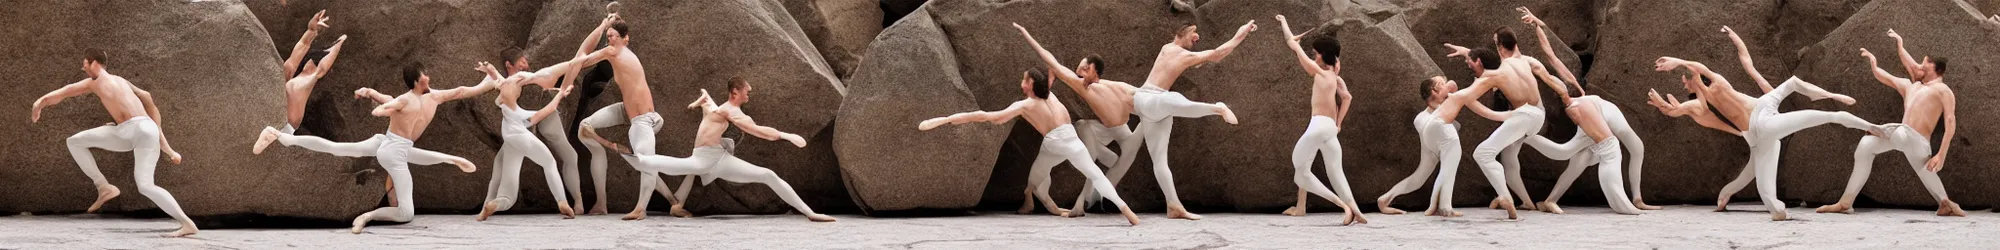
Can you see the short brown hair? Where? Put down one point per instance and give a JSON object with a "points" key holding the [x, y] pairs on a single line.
{"points": [[93, 55], [737, 83], [623, 30]]}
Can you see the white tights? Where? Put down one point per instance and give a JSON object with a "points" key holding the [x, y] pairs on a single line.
{"points": [[139, 135], [1321, 137], [506, 182], [1916, 149], [393, 152], [710, 163], [1767, 127]]}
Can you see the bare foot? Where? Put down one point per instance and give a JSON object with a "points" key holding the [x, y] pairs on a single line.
{"points": [[677, 211], [635, 215], [1383, 204], [599, 209], [1295, 211], [1948, 208], [264, 139], [104, 193], [1551, 208], [1836, 208], [487, 211], [563, 208], [361, 221], [464, 165], [1722, 204], [1512, 214], [1430, 212], [1181, 213], [186, 229], [1636, 202], [1074, 213], [1129, 217], [1058, 211], [1780, 215], [1495, 205], [1528, 206], [820, 218], [1355, 218], [1027, 201], [1228, 116], [1843, 99]]}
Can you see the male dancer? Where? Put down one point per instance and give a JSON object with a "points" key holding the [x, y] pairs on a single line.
{"points": [[636, 109], [1059, 142], [1924, 104], [1487, 65], [1156, 106], [1111, 101], [1439, 145], [712, 158], [302, 77], [137, 131], [518, 144], [1504, 148], [1766, 126], [409, 114], [1597, 119], [1322, 133], [553, 133]]}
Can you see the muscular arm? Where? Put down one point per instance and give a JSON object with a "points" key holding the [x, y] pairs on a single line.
{"points": [[995, 117], [463, 92], [1346, 100], [153, 111], [1883, 75], [1561, 70], [1909, 63], [387, 108], [57, 96], [305, 44], [749, 126], [326, 64], [1716, 82], [1292, 41], [1055, 66], [1215, 55], [590, 41], [1542, 72], [372, 95], [1743, 55], [1950, 102]]}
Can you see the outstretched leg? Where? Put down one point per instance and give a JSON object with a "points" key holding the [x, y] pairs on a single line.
{"points": [[736, 170], [145, 139], [1128, 152], [1098, 182]]}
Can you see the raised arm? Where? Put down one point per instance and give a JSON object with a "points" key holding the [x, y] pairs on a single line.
{"points": [[1950, 101], [1743, 55], [1292, 41], [1542, 72], [326, 64], [305, 44], [1883, 75], [1055, 66], [749, 126], [590, 41], [1716, 80], [57, 96], [553, 104], [1220, 52], [1667, 106], [1561, 70], [372, 95], [1909, 63], [995, 117]]}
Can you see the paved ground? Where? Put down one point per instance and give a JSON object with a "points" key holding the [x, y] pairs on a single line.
{"points": [[1678, 227]]}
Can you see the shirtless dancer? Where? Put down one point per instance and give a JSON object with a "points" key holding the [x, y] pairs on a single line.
{"points": [[635, 109], [1059, 143], [1502, 148], [712, 158], [137, 130], [554, 136], [1156, 108], [1110, 100], [1604, 130], [1323, 130], [302, 77], [1766, 125], [1440, 145], [519, 143], [1488, 66], [1924, 104], [409, 114]]}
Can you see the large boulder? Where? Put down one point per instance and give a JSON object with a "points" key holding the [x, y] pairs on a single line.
{"points": [[695, 45], [214, 74], [1818, 161], [850, 26], [1126, 33], [908, 76]]}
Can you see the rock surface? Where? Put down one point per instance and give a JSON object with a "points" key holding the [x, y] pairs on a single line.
{"points": [[216, 77], [909, 76]]}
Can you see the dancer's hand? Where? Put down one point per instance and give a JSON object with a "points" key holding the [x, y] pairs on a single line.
{"points": [[794, 138], [362, 93], [1248, 27], [1528, 17], [1667, 63], [318, 21], [173, 156], [1456, 50], [1892, 34], [1936, 163], [933, 123]]}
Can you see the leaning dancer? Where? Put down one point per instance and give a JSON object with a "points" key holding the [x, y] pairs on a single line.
{"points": [[1059, 143], [1439, 142], [1111, 101], [409, 114], [137, 131], [1767, 126], [635, 109], [1925, 103], [519, 143], [303, 76], [1156, 106], [1322, 133], [1515, 126], [553, 134], [1604, 130], [712, 158]]}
